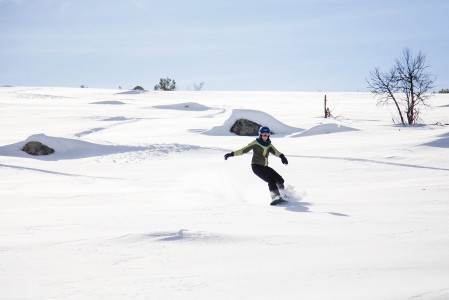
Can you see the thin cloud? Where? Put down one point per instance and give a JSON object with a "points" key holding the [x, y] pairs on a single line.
{"points": [[143, 4], [11, 1]]}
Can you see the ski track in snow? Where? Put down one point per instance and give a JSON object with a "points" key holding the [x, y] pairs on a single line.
{"points": [[440, 294], [38, 96], [98, 129], [366, 160], [183, 235], [53, 172]]}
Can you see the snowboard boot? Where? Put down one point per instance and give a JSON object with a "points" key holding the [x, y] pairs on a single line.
{"points": [[275, 194], [282, 190], [276, 198]]}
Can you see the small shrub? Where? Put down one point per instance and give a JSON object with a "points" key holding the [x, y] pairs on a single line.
{"points": [[165, 84]]}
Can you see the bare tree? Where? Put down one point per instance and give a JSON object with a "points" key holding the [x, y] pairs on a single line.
{"points": [[198, 86], [406, 85]]}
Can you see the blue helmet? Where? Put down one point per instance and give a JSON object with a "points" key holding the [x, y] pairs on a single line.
{"points": [[264, 129]]}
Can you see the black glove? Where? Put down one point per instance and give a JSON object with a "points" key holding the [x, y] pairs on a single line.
{"points": [[283, 159], [228, 155]]}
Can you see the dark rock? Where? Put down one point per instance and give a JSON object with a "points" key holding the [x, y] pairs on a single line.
{"points": [[245, 127], [37, 148], [138, 88]]}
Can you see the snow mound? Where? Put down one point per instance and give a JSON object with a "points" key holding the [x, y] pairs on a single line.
{"points": [[65, 148], [325, 129], [256, 116], [131, 92], [119, 118], [191, 106], [109, 102]]}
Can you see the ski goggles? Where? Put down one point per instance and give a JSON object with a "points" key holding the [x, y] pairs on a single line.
{"points": [[265, 134]]}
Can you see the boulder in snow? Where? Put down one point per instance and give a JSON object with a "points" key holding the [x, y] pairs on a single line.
{"points": [[245, 127], [37, 149]]}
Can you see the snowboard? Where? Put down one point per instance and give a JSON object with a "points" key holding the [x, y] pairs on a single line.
{"points": [[278, 202]]}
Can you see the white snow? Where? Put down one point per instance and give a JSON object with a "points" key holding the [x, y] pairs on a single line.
{"points": [[138, 203], [185, 106]]}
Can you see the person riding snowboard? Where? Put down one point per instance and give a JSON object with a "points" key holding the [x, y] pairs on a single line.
{"points": [[262, 147]]}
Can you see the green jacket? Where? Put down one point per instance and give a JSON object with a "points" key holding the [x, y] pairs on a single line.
{"points": [[261, 150]]}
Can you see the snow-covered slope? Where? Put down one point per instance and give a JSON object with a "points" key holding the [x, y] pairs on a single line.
{"points": [[138, 202]]}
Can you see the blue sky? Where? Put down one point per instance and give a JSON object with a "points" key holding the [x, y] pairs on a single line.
{"points": [[266, 45]]}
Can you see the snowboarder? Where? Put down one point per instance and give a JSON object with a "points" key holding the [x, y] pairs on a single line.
{"points": [[262, 147]]}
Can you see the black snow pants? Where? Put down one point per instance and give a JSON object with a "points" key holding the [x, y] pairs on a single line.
{"points": [[267, 174]]}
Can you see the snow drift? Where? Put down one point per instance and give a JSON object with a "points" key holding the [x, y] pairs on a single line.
{"points": [[442, 142], [190, 106], [111, 102], [65, 148], [256, 116], [324, 129]]}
